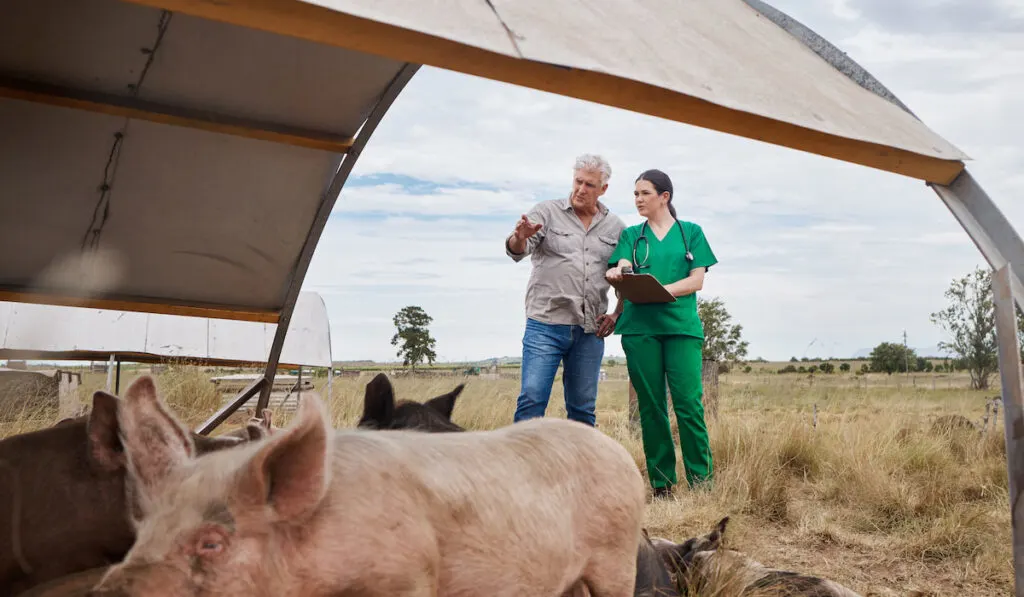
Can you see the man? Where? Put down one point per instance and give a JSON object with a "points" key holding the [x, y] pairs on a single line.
{"points": [[569, 241]]}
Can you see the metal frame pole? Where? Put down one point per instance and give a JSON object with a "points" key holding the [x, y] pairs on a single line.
{"points": [[1011, 377], [110, 372], [326, 205], [985, 223], [330, 196]]}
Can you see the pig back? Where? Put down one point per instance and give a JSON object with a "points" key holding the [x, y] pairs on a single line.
{"points": [[538, 497]]}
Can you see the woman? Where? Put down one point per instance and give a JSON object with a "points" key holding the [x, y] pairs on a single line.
{"points": [[665, 339]]}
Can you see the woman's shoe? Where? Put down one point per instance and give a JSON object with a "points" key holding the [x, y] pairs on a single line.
{"points": [[663, 492]]}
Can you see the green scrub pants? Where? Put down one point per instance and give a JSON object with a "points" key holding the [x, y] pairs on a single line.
{"points": [[650, 359]]}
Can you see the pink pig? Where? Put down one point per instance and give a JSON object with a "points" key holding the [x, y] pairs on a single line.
{"points": [[546, 507]]}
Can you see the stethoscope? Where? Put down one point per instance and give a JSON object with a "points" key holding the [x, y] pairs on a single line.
{"points": [[647, 245]]}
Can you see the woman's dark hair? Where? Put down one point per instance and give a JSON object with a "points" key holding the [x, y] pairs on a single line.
{"points": [[661, 183]]}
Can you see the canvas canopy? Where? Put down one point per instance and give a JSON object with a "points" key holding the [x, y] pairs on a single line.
{"points": [[165, 163], [729, 65], [46, 332], [182, 156]]}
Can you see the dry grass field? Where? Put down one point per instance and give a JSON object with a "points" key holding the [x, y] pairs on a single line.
{"points": [[871, 496]]}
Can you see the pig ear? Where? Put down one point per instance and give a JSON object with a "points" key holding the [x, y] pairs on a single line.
{"points": [[105, 449], [378, 402], [155, 441], [268, 419], [291, 471], [714, 538], [445, 403]]}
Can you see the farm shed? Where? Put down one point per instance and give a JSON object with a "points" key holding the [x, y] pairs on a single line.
{"points": [[48, 332], [194, 149], [50, 391]]}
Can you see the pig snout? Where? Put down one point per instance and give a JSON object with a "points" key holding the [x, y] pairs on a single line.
{"points": [[141, 581]]}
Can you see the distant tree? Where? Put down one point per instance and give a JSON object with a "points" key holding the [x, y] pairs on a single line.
{"points": [[969, 321], [748, 369], [1020, 331], [827, 368], [416, 343], [865, 368], [923, 364], [812, 369], [723, 341], [844, 367], [889, 357]]}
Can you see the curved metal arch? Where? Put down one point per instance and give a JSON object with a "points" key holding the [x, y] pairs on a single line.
{"points": [[977, 214], [996, 240], [330, 196]]}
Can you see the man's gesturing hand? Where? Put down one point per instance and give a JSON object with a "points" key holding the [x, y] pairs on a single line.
{"points": [[525, 229]]}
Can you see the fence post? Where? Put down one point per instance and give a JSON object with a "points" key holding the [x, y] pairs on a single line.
{"points": [[1010, 376]]}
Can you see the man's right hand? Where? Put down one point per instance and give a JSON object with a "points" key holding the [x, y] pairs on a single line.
{"points": [[525, 229]]}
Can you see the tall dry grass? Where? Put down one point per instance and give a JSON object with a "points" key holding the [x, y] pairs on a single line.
{"points": [[871, 496]]}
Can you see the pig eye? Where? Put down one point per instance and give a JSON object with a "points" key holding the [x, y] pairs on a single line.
{"points": [[210, 542]]}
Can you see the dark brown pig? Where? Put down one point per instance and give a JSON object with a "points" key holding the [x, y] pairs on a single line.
{"points": [[380, 411], [62, 497], [73, 585], [539, 508], [702, 561], [256, 428]]}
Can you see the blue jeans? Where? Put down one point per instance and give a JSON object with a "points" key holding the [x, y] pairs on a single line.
{"points": [[545, 346]]}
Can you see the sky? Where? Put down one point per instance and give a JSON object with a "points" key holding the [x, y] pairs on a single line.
{"points": [[817, 257]]}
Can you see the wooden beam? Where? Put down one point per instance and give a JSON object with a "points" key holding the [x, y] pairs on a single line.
{"points": [[138, 357], [142, 306], [321, 25], [115, 105]]}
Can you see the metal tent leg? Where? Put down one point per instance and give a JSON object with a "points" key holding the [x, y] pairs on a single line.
{"points": [[1010, 376], [1002, 247], [326, 205], [991, 232], [302, 265]]}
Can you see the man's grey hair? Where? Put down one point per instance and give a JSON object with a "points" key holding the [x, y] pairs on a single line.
{"points": [[589, 161]]}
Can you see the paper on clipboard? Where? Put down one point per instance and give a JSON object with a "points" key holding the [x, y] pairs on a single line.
{"points": [[642, 289]]}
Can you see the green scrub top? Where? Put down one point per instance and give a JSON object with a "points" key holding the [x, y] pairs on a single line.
{"points": [[667, 261]]}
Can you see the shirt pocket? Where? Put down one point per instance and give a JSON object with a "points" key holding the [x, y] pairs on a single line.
{"points": [[602, 248], [561, 242]]}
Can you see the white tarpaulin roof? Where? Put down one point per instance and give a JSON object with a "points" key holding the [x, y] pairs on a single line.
{"points": [[199, 146], [730, 65], [30, 331], [196, 158]]}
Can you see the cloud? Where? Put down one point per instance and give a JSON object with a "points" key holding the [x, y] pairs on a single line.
{"points": [[941, 16], [813, 251]]}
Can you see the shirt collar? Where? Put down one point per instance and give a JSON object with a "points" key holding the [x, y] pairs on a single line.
{"points": [[601, 207]]}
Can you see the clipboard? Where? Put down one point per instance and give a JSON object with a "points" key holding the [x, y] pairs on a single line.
{"points": [[642, 289]]}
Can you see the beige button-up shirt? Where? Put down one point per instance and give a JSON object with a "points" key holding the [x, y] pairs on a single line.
{"points": [[567, 283]]}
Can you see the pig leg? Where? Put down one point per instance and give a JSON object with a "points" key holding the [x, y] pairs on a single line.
{"points": [[611, 574]]}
